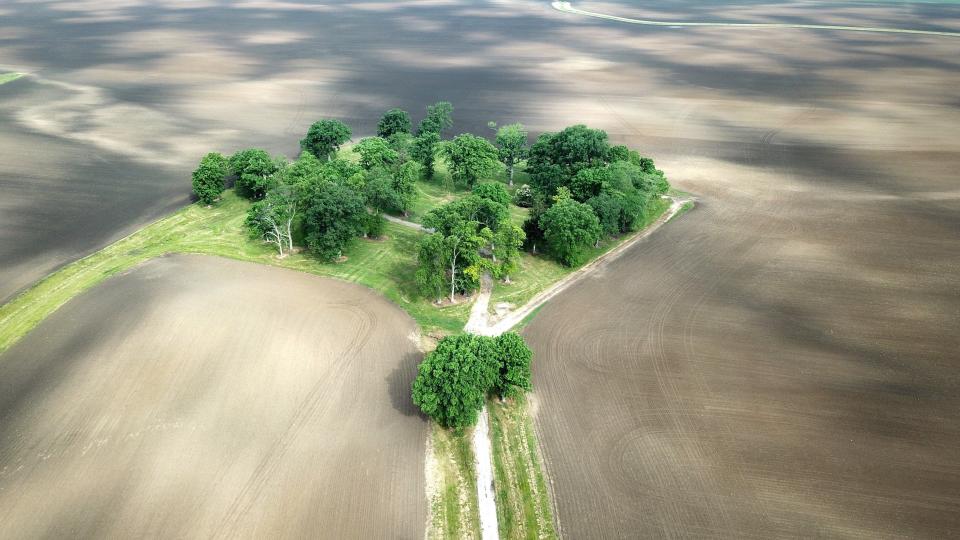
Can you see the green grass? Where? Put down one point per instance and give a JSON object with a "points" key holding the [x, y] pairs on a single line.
{"points": [[523, 501], [7, 77], [536, 273], [384, 265], [454, 512]]}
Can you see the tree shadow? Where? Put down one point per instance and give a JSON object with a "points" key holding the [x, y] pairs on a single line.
{"points": [[399, 383]]}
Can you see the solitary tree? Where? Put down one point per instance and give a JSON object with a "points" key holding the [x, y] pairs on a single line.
{"points": [[393, 121], [208, 179], [569, 228], [424, 150], [333, 215], [439, 117], [513, 360], [453, 379], [271, 219], [255, 171], [375, 152], [512, 144], [325, 137], [470, 158]]}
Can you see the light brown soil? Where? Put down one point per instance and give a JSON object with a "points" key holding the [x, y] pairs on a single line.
{"points": [[199, 397]]}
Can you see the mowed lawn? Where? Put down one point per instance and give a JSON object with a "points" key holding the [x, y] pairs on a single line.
{"points": [[386, 265]]}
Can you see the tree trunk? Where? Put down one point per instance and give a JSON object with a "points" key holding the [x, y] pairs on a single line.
{"points": [[511, 176]]}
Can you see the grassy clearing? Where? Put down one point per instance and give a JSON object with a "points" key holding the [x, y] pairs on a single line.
{"points": [[537, 272], [384, 265], [7, 77], [523, 500], [454, 512]]}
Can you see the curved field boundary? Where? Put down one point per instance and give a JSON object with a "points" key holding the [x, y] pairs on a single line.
{"points": [[567, 8]]}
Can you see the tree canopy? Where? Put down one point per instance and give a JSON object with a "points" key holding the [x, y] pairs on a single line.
{"points": [[325, 137], [439, 117], [424, 150], [333, 215], [255, 171], [569, 228], [470, 158], [392, 122], [210, 176], [512, 146], [375, 152], [453, 380], [271, 219]]}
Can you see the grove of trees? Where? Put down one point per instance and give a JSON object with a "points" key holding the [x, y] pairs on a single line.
{"points": [[453, 380]]}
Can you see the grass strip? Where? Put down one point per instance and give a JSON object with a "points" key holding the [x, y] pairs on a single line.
{"points": [[385, 265], [523, 501]]}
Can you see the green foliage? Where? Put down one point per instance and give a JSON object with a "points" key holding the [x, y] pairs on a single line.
{"points": [[306, 171], [439, 117], [325, 137], [512, 145], [401, 144], [609, 210], [455, 257], [431, 267], [493, 191], [453, 380], [208, 179], [523, 197], [393, 121], [424, 150], [557, 157], [507, 242], [255, 171], [513, 359], [569, 228], [271, 219], [380, 193], [470, 158], [374, 225], [375, 152], [405, 183], [333, 215], [588, 183]]}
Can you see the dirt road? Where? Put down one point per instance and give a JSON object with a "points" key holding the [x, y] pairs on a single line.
{"points": [[197, 397]]}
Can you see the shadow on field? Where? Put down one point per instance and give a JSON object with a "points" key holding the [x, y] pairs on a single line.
{"points": [[399, 385]]}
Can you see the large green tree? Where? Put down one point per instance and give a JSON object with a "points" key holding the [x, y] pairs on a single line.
{"points": [[325, 137], [375, 152], [256, 172], [453, 380], [393, 121], [513, 362], [569, 228], [494, 191], [512, 145], [333, 215], [439, 117], [405, 183], [470, 158], [557, 157], [209, 177], [424, 150]]}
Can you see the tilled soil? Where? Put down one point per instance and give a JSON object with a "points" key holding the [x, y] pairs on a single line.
{"points": [[198, 397]]}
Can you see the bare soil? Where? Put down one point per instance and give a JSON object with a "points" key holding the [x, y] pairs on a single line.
{"points": [[780, 361], [197, 397]]}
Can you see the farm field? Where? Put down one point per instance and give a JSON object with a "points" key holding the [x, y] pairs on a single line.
{"points": [[779, 361], [197, 396]]}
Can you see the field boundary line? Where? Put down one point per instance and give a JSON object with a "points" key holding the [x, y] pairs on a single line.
{"points": [[567, 8]]}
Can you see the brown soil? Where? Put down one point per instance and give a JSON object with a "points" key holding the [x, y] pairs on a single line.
{"points": [[200, 397], [781, 361]]}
